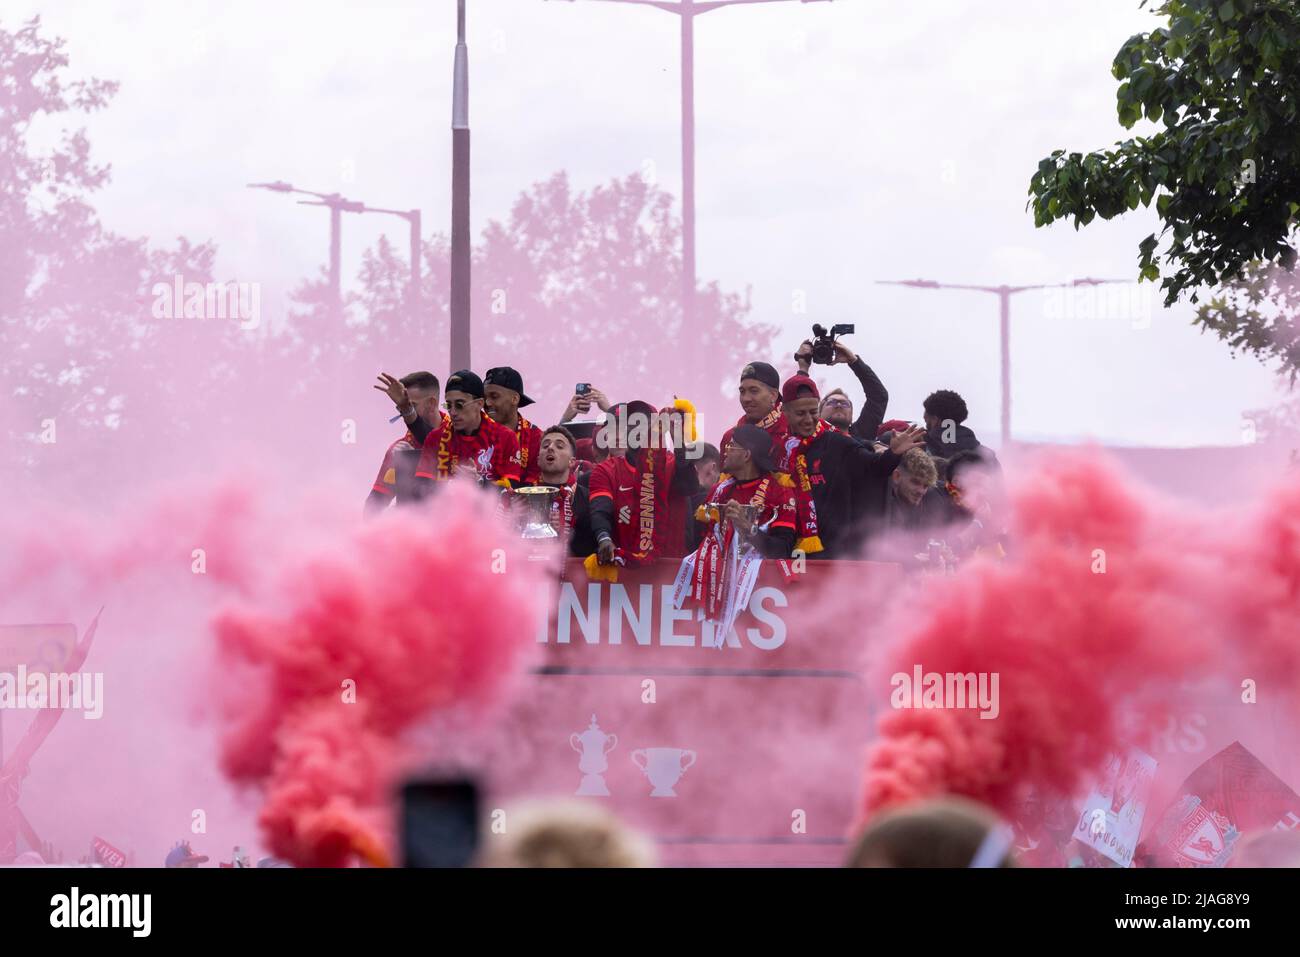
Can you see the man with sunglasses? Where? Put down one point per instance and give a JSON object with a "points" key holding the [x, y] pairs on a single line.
{"points": [[469, 443]]}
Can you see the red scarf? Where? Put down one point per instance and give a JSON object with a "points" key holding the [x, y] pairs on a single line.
{"points": [[521, 428], [709, 581], [796, 463]]}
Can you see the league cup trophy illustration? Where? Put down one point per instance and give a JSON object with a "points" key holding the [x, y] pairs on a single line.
{"points": [[664, 768], [537, 511], [593, 744]]}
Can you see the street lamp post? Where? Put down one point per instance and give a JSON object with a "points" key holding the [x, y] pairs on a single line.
{"points": [[688, 10], [460, 243], [338, 206], [1004, 294]]}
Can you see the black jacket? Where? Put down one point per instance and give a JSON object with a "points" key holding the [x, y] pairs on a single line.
{"points": [[873, 406], [846, 477]]}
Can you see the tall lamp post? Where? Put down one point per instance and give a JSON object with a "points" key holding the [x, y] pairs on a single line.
{"points": [[687, 11], [1004, 294], [460, 246]]}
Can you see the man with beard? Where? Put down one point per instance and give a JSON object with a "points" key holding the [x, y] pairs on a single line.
{"points": [[470, 443], [834, 477], [503, 396], [416, 399], [570, 512], [837, 407], [753, 480], [760, 400], [630, 494]]}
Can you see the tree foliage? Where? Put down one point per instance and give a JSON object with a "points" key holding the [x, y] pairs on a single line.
{"points": [[1221, 82]]}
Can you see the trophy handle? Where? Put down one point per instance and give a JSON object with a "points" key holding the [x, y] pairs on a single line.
{"points": [[573, 743], [691, 762], [611, 743], [635, 761]]}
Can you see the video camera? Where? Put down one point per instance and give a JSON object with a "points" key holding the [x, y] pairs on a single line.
{"points": [[823, 345]]}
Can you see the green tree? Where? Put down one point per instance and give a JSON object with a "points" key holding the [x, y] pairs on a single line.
{"points": [[1220, 82]]}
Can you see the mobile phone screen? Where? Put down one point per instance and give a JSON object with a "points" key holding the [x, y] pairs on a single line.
{"points": [[439, 823]]}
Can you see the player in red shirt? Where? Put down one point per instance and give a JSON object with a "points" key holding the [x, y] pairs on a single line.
{"points": [[416, 398], [503, 394], [470, 443], [753, 480], [630, 493], [760, 399]]}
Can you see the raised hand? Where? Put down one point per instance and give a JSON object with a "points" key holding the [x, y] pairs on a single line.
{"points": [[393, 388], [907, 439]]}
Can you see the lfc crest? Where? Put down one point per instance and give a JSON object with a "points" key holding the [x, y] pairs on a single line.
{"points": [[1195, 835]]}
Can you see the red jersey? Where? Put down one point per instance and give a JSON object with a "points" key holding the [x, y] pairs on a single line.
{"points": [[491, 453], [774, 424], [775, 499], [386, 480], [640, 497]]}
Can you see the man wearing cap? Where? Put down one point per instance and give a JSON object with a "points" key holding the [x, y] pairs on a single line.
{"points": [[503, 395], [751, 480], [760, 400], [837, 475], [470, 442]]}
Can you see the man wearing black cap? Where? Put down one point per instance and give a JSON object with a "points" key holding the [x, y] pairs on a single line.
{"points": [[749, 466], [503, 394], [470, 442], [760, 399]]}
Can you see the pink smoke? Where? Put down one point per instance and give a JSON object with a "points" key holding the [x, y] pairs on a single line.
{"points": [[1185, 595], [415, 614]]}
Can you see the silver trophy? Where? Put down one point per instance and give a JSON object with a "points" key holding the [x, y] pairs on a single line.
{"points": [[537, 511]]}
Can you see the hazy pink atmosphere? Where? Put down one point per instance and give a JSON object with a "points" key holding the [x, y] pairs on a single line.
{"points": [[197, 459]]}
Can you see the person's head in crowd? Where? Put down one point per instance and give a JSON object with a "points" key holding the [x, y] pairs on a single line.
{"points": [[566, 833], [945, 832], [503, 395], [1270, 848], [556, 455], [837, 409], [749, 453], [888, 430], [630, 426], [708, 464], [760, 387], [915, 475], [973, 479], [800, 399], [182, 855], [942, 407], [422, 389], [465, 401]]}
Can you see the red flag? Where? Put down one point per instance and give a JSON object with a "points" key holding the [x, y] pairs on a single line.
{"points": [[106, 854], [1231, 794]]}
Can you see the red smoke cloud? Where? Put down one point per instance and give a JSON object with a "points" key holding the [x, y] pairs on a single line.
{"points": [[419, 613], [1185, 595]]}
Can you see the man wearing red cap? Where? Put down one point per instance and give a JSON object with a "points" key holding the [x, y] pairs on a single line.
{"points": [[834, 476], [470, 442], [503, 396], [630, 493]]}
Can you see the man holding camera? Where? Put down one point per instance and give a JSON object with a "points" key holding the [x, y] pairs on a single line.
{"points": [[837, 408], [838, 475]]}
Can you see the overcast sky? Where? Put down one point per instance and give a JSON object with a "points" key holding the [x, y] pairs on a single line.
{"points": [[837, 144]]}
